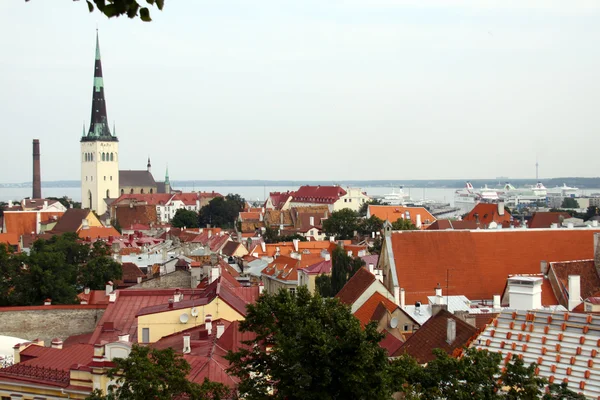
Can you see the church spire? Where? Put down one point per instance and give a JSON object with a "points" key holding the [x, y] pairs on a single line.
{"points": [[149, 166], [99, 129]]}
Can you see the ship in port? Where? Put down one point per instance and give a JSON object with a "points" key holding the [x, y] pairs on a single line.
{"points": [[513, 197], [469, 196]]}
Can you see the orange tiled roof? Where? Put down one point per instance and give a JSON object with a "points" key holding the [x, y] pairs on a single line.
{"points": [[9, 238], [24, 222], [356, 286], [481, 260], [250, 216], [365, 312], [487, 213], [393, 213], [546, 219]]}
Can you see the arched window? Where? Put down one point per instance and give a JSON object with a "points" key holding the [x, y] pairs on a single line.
{"points": [[90, 198], [92, 154], [111, 157], [122, 191], [151, 190], [103, 157], [131, 191], [107, 194], [142, 191], [84, 157]]}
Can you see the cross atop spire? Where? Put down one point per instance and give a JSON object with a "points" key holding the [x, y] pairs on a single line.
{"points": [[99, 129]]}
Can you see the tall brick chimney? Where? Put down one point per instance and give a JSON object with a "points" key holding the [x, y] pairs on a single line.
{"points": [[37, 177]]}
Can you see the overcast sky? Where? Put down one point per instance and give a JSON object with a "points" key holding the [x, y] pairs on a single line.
{"points": [[309, 89]]}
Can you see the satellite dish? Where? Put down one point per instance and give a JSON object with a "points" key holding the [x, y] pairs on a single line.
{"points": [[194, 312], [394, 323], [183, 318]]}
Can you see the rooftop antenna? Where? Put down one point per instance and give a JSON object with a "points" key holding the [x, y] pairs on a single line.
{"points": [[537, 165]]}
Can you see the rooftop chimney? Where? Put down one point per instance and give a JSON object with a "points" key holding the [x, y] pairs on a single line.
{"points": [[57, 343], [500, 208], [109, 287], [525, 292], [312, 221], [418, 224], [496, 303], [124, 337], [85, 224], [450, 330], [372, 268], [208, 323], [574, 291], [37, 175], [220, 329], [187, 348]]}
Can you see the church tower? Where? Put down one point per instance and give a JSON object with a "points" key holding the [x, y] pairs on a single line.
{"points": [[99, 151]]}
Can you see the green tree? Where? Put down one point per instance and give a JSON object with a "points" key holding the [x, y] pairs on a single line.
{"points": [[591, 212], [343, 267], [100, 269], [307, 347], [271, 235], [376, 247], [57, 268], [402, 224], [561, 392], [323, 285], [149, 373], [521, 380], [569, 202], [342, 224], [185, 218], [222, 211], [362, 211], [371, 224]]}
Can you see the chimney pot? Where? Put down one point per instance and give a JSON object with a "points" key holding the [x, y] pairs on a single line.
{"points": [[57, 343], [574, 282], [450, 331], [187, 348], [220, 329]]}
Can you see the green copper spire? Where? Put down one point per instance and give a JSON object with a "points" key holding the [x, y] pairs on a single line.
{"points": [[167, 175]]}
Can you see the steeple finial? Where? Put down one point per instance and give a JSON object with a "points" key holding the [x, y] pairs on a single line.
{"points": [[149, 166], [83, 134]]}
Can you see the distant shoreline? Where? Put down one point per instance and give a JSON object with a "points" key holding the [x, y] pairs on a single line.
{"points": [[581, 183]]}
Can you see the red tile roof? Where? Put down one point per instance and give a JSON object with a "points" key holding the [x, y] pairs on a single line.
{"points": [[11, 239], [278, 199], [122, 313], [95, 232], [153, 199], [318, 194], [589, 280], [250, 216], [546, 219], [433, 334], [487, 213], [390, 343], [393, 213], [480, 261], [356, 286], [93, 297], [322, 267], [366, 311], [48, 366]]}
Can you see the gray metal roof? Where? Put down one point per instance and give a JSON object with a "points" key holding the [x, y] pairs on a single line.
{"points": [[136, 179]]}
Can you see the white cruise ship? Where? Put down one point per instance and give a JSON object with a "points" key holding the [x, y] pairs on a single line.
{"points": [[513, 196], [468, 197], [396, 198]]}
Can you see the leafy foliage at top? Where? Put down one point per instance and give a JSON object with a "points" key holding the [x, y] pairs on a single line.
{"points": [[307, 347], [569, 202], [222, 211], [271, 235], [185, 218], [57, 268], [149, 373], [130, 8]]}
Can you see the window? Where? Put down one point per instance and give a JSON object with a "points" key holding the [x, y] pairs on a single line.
{"points": [[104, 177], [405, 327], [131, 191], [292, 291], [151, 190], [112, 157], [91, 178], [111, 178], [145, 335], [349, 200], [86, 178], [345, 200], [103, 157], [142, 190], [122, 191]]}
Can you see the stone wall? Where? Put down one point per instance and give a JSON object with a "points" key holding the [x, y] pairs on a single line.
{"points": [[48, 322], [176, 279]]}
